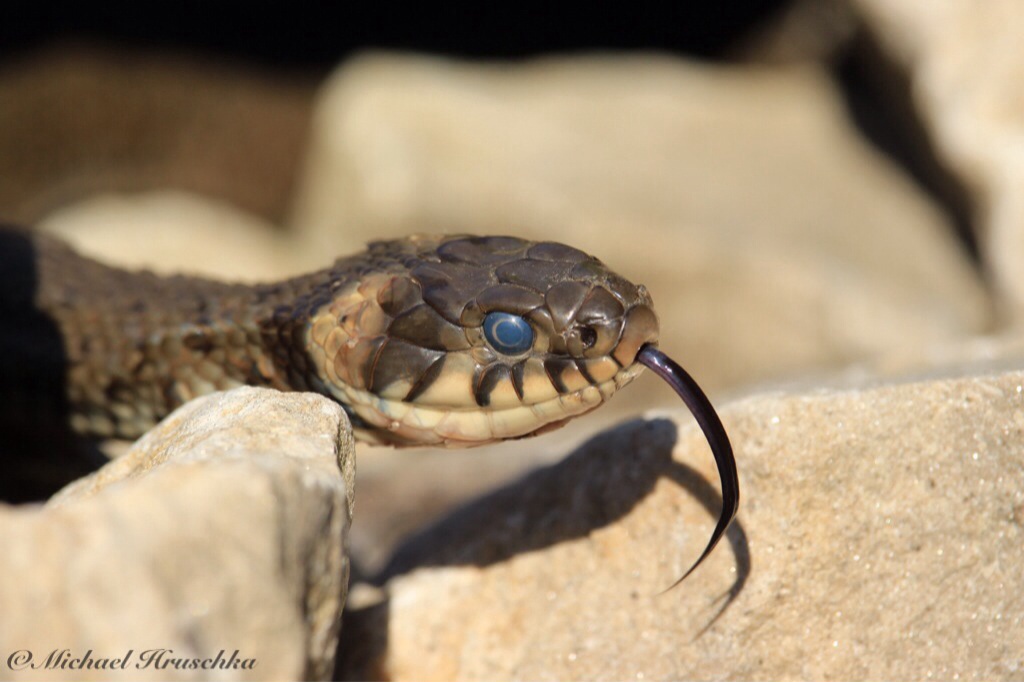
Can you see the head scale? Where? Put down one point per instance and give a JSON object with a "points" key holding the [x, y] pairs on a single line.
{"points": [[467, 340]]}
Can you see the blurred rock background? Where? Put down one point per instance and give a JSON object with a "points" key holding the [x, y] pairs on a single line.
{"points": [[819, 194]]}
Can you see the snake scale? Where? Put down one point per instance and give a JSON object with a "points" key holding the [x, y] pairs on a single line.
{"points": [[448, 340]]}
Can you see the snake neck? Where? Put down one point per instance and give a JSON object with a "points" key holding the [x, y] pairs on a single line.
{"points": [[118, 350]]}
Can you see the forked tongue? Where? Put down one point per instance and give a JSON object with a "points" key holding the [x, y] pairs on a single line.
{"points": [[711, 425]]}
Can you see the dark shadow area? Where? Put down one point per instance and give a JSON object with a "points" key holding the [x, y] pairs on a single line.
{"points": [[880, 101], [363, 643], [595, 486], [318, 35], [38, 452]]}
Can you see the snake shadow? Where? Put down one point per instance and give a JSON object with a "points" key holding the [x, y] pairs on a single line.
{"points": [[39, 453], [595, 486]]}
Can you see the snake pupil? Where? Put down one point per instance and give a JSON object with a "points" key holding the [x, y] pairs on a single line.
{"points": [[508, 334]]}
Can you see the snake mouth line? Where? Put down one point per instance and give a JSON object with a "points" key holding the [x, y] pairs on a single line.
{"points": [[467, 426]]}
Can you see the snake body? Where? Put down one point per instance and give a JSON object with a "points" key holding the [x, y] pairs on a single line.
{"points": [[396, 334]]}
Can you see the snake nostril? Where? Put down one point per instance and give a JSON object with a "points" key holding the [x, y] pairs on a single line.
{"points": [[588, 337]]}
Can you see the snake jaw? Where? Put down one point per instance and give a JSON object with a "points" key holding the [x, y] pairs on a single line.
{"points": [[396, 422]]}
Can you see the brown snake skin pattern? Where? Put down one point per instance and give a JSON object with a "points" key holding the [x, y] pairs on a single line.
{"points": [[395, 334]]}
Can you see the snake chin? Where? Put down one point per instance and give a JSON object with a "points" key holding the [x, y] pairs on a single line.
{"points": [[400, 423]]}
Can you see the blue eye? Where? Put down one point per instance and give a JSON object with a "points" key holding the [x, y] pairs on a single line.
{"points": [[508, 334]]}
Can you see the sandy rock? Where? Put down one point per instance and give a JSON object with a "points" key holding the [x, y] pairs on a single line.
{"points": [[772, 238], [222, 529], [966, 66], [880, 537], [173, 232]]}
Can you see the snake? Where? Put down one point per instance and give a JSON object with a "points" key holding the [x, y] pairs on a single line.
{"points": [[427, 340]]}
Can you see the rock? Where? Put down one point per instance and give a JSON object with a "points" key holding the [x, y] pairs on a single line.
{"points": [[173, 232], [401, 491], [879, 536], [75, 120], [773, 239], [965, 63], [223, 529]]}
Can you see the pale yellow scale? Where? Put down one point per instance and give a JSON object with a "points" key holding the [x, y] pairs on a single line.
{"points": [[345, 333]]}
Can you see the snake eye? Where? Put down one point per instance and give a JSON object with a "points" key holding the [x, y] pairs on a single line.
{"points": [[507, 333]]}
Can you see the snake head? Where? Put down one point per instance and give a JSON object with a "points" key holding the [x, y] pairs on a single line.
{"points": [[467, 340]]}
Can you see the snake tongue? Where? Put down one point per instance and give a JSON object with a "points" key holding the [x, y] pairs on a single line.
{"points": [[711, 425]]}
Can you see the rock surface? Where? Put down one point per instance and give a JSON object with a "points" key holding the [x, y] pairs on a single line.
{"points": [[173, 232], [966, 67], [222, 529], [880, 537]]}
